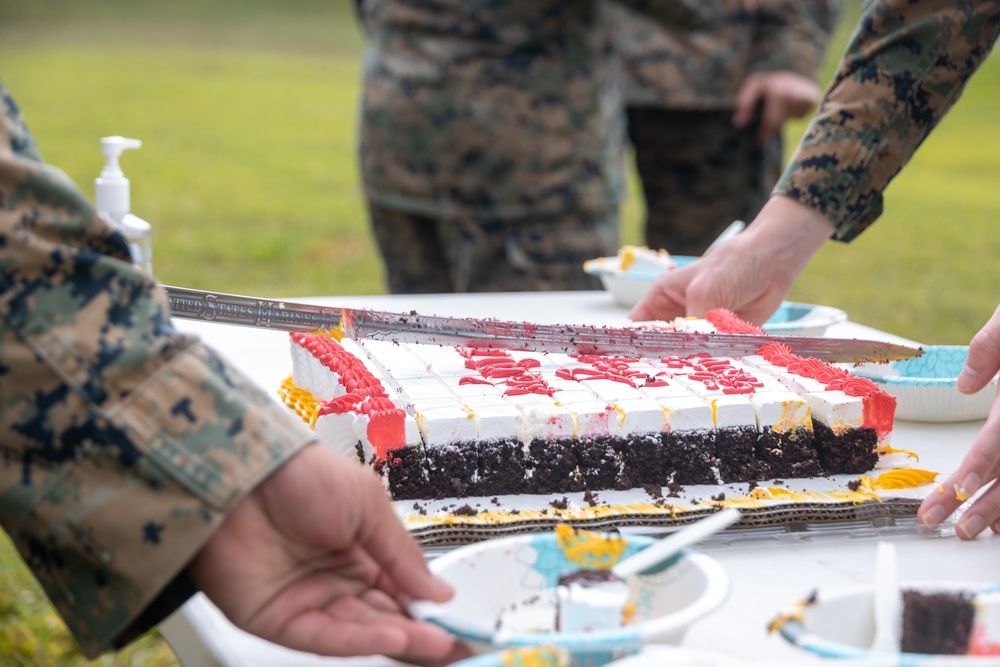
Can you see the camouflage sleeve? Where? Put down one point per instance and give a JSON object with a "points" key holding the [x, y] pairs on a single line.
{"points": [[792, 35], [124, 443], [907, 63]]}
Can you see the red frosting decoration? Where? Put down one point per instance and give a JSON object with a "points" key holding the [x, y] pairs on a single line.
{"points": [[365, 393], [471, 379], [386, 430], [726, 321], [879, 407]]}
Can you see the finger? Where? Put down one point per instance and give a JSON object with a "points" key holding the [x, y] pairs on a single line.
{"points": [[385, 539], [984, 357], [350, 628], [771, 118], [985, 511], [458, 652], [664, 300], [978, 467], [747, 98]]}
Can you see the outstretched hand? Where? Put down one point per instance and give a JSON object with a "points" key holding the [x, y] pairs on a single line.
{"points": [[981, 464], [749, 274], [315, 559]]}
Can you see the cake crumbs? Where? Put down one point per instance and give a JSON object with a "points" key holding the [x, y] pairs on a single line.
{"points": [[854, 484], [751, 485], [560, 504], [466, 510], [720, 497], [591, 498], [419, 509], [495, 501], [674, 490], [655, 491]]}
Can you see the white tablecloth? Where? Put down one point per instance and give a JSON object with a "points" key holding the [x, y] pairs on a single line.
{"points": [[767, 574]]}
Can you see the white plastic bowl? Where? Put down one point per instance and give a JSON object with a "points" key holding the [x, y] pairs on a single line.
{"points": [[493, 575], [840, 624], [627, 287], [647, 656], [925, 388]]}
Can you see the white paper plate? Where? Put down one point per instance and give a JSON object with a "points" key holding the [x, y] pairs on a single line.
{"points": [[626, 287], [840, 624], [925, 389], [497, 574], [647, 656]]}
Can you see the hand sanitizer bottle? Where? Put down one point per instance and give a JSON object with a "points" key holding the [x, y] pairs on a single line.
{"points": [[112, 198]]}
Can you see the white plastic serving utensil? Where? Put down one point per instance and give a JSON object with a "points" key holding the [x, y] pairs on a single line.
{"points": [[888, 599], [660, 551], [729, 232]]}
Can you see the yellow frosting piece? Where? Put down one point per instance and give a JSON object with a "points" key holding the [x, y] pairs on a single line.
{"points": [[299, 400], [797, 613], [535, 656], [904, 478], [338, 333], [886, 450], [778, 493], [961, 494], [587, 549], [627, 257]]}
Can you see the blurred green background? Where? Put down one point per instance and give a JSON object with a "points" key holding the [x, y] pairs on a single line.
{"points": [[247, 110]]}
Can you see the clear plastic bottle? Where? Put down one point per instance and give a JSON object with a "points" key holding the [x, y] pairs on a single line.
{"points": [[113, 200]]}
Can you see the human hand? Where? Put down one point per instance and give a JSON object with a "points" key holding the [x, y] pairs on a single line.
{"points": [[315, 559], [981, 464], [749, 274], [780, 95]]}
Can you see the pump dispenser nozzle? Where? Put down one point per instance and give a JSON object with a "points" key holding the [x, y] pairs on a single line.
{"points": [[113, 200], [111, 187]]}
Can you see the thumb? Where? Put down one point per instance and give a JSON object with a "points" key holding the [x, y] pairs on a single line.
{"points": [[984, 357]]}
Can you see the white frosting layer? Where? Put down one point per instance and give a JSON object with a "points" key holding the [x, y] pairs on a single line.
{"points": [[688, 413], [336, 432], [731, 410], [572, 396], [781, 411], [836, 409], [310, 374], [443, 425], [638, 415]]}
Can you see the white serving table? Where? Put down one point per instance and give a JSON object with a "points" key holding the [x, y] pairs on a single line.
{"points": [[768, 570]]}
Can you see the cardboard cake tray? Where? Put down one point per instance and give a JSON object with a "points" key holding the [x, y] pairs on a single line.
{"points": [[893, 490]]}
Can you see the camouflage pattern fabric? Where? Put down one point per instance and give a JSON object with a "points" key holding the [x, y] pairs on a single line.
{"points": [[502, 108], [505, 109], [906, 64], [702, 68], [429, 255], [699, 174], [124, 443]]}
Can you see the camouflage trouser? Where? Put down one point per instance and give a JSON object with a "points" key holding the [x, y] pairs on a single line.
{"points": [[699, 174], [430, 255]]}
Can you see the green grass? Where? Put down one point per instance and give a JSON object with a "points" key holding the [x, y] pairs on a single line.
{"points": [[248, 109]]}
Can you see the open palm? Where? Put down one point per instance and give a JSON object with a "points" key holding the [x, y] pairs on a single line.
{"points": [[316, 560]]}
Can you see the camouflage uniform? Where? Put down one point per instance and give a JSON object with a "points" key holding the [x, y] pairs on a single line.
{"points": [[124, 442], [906, 64], [698, 172], [504, 119]]}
